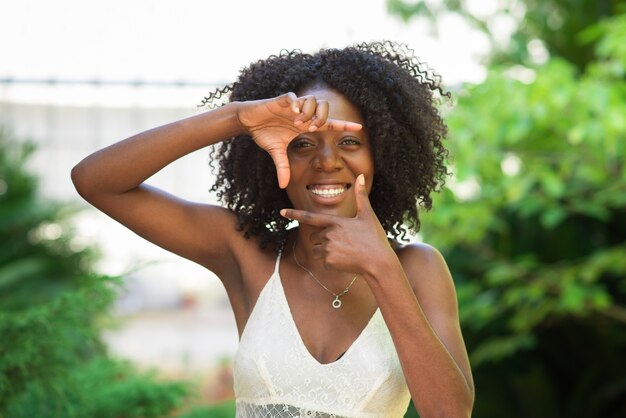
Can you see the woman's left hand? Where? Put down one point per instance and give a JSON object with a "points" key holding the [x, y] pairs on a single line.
{"points": [[346, 244]]}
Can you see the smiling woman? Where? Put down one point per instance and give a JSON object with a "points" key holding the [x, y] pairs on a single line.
{"points": [[336, 318], [336, 157]]}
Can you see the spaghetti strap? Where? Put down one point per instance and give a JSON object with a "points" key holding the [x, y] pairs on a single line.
{"points": [[280, 253]]}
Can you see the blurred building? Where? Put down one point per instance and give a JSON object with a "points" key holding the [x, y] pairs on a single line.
{"points": [[177, 314]]}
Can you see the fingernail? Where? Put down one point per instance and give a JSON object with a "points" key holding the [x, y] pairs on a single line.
{"points": [[283, 213], [297, 122], [312, 128], [361, 179]]}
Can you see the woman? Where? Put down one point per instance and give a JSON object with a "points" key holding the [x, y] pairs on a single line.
{"points": [[336, 318]]}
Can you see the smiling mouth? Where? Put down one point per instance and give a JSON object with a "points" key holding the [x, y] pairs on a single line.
{"points": [[328, 190]]}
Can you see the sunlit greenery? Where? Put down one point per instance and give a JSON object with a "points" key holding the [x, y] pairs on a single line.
{"points": [[553, 25], [533, 222], [52, 361]]}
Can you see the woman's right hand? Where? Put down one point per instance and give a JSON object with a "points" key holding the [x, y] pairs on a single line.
{"points": [[274, 123]]}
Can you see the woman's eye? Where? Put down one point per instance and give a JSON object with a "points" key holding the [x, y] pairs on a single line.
{"points": [[350, 141], [300, 143]]}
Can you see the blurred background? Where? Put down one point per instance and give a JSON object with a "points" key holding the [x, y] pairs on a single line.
{"points": [[96, 322]]}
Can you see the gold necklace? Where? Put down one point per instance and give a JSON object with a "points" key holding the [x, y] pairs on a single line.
{"points": [[336, 302]]}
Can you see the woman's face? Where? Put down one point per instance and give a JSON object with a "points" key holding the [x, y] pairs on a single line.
{"points": [[324, 165]]}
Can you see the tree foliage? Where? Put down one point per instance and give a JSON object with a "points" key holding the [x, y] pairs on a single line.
{"points": [[52, 361], [553, 24], [533, 222]]}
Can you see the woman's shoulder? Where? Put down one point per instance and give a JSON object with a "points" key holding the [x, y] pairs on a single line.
{"points": [[419, 254], [225, 249], [431, 281], [426, 270]]}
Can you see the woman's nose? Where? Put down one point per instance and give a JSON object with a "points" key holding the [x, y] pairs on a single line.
{"points": [[327, 158]]}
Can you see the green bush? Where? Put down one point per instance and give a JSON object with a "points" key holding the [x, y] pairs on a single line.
{"points": [[533, 225], [100, 388], [221, 410], [52, 361], [534, 228]]}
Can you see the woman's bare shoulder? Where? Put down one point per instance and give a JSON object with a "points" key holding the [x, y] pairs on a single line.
{"points": [[420, 254], [240, 253], [428, 273]]}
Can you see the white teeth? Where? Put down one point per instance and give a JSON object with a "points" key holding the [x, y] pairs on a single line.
{"points": [[328, 192]]}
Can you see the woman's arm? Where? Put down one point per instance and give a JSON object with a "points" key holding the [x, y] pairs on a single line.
{"points": [[112, 179], [416, 296]]}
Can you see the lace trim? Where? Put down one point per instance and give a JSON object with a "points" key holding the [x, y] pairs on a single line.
{"points": [[247, 410]]}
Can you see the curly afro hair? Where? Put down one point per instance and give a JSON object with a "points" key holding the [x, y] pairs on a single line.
{"points": [[397, 96]]}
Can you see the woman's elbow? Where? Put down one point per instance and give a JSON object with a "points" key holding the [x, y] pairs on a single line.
{"points": [[80, 179]]}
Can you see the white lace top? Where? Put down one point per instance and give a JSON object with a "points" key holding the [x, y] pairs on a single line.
{"points": [[275, 376]]}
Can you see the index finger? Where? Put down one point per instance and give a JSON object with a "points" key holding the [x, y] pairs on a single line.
{"points": [[309, 218], [341, 125]]}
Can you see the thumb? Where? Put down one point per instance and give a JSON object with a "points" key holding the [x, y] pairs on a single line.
{"points": [[279, 156], [362, 199]]}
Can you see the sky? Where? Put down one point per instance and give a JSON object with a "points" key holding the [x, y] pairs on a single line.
{"points": [[208, 41]]}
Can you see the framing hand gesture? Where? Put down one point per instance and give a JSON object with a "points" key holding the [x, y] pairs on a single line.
{"points": [[273, 123], [346, 244]]}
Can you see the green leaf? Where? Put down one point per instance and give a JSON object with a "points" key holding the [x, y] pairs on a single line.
{"points": [[573, 297], [498, 348], [553, 217]]}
